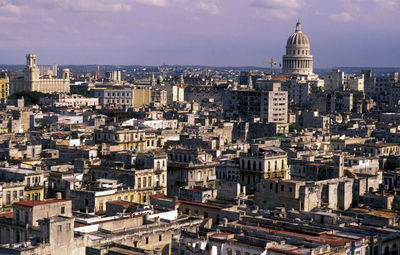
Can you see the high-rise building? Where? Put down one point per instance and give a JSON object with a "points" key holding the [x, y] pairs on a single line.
{"points": [[266, 101], [298, 59]]}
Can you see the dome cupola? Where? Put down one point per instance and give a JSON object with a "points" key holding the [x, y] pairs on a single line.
{"points": [[298, 60]]}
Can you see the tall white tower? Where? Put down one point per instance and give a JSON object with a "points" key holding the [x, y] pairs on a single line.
{"points": [[31, 71], [298, 59]]}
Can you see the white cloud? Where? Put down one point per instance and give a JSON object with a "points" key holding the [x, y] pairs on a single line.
{"points": [[212, 7], [277, 4], [341, 17], [159, 3], [208, 7], [278, 8]]}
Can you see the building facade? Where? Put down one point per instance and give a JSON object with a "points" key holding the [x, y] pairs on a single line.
{"points": [[31, 80]]}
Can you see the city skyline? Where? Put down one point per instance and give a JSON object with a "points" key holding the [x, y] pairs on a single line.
{"points": [[214, 33]]}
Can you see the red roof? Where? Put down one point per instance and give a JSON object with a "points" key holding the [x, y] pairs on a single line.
{"points": [[7, 215], [60, 135], [32, 203]]}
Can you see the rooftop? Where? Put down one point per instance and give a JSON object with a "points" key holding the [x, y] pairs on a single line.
{"points": [[32, 203]]}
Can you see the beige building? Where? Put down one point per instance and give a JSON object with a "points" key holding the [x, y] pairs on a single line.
{"points": [[189, 168], [267, 101], [24, 222], [31, 80], [4, 85], [121, 97], [262, 162], [175, 93]]}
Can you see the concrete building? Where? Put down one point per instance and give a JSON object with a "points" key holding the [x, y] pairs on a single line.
{"points": [[339, 81], [126, 138], [75, 100], [31, 80], [113, 76], [262, 162], [336, 194], [175, 93], [124, 97], [26, 215], [267, 102], [189, 168], [4, 85], [300, 91]]}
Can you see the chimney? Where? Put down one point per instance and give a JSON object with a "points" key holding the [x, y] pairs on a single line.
{"points": [[58, 195]]}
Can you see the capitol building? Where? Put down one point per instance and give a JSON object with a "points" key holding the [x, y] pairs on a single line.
{"points": [[298, 59]]}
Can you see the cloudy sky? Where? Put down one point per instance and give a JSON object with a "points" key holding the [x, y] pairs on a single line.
{"points": [[203, 32]]}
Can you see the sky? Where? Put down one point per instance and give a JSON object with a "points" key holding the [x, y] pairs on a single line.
{"points": [[198, 32]]}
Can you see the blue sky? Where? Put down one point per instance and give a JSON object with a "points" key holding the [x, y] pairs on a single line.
{"points": [[198, 32]]}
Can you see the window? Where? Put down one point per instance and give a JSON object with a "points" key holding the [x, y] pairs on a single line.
{"points": [[282, 188], [59, 228], [15, 195], [290, 189], [139, 182], [149, 181], [147, 240], [160, 238], [62, 209]]}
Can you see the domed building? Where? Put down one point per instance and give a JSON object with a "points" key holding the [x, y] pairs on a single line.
{"points": [[298, 60]]}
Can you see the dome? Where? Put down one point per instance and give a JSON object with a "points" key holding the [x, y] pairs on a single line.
{"points": [[298, 59], [298, 38]]}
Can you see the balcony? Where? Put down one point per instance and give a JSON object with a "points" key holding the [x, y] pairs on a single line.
{"points": [[211, 178]]}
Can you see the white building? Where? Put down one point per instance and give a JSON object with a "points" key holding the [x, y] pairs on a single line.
{"points": [[175, 93], [298, 59], [75, 100], [338, 80], [31, 80], [113, 76]]}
